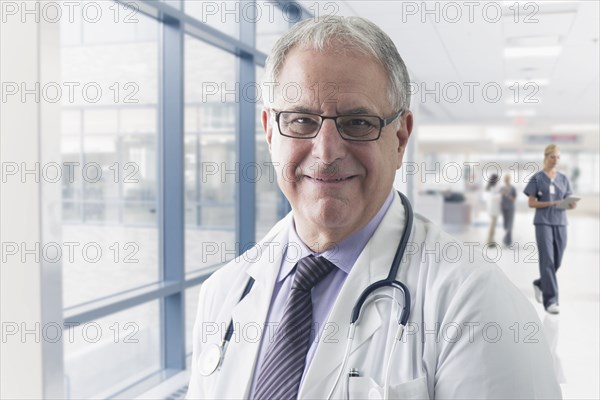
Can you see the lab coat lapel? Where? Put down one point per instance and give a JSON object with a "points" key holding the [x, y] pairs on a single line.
{"points": [[249, 316], [372, 265], [329, 354]]}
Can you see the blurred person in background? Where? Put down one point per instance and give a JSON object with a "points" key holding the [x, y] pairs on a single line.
{"points": [[507, 204], [493, 206], [575, 177], [546, 189]]}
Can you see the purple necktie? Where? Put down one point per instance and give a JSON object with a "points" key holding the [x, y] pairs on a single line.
{"points": [[283, 365]]}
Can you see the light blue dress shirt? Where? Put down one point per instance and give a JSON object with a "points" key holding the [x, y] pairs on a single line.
{"points": [[344, 255]]}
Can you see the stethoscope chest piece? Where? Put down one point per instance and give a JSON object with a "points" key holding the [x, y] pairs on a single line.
{"points": [[210, 359]]}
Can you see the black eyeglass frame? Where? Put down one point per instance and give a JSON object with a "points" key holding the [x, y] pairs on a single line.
{"points": [[383, 122]]}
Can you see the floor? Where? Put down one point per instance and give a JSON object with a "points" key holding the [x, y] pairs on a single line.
{"points": [[574, 334]]}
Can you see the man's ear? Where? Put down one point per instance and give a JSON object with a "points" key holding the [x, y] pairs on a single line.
{"points": [[403, 133], [409, 123], [264, 118]]}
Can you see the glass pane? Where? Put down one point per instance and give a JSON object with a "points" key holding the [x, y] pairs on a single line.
{"points": [[110, 131], [174, 3], [139, 189], [268, 196], [191, 309], [70, 150], [99, 261], [71, 122], [138, 120], [273, 22], [111, 353], [102, 121], [210, 154], [71, 211], [221, 15]]}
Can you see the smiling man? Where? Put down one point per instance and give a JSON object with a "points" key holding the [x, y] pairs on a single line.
{"points": [[344, 173], [274, 323]]}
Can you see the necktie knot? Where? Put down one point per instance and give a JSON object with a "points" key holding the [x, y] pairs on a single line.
{"points": [[310, 271]]}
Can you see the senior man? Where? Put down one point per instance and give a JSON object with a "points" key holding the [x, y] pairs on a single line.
{"points": [[275, 324]]}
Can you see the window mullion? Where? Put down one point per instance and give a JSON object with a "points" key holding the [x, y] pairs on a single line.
{"points": [[172, 191]]}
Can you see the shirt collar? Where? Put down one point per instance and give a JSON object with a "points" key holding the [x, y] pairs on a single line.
{"points": [[344, 255]]}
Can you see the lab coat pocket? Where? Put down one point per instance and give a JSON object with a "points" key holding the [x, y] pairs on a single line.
{"points": [[366, 388], [415, 389], [363, 388]]}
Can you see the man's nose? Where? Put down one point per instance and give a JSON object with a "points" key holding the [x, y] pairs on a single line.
{"points": [[329, 146]]}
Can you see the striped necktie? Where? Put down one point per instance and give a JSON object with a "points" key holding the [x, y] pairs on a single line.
{"points": [[283, 366]]}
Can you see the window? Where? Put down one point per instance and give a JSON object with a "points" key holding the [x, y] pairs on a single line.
{"points": [[109, 147], [270, 203], [111, 353], [129, 301], [191, 305], [271, 23], [211, 167], [221, 15], [109, 198]]}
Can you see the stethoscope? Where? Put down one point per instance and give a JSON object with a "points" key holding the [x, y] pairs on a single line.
{"points": [[212, 357]]}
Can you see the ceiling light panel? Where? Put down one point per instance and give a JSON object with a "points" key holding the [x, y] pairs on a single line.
{"points": [[533, 25], [531, 51], [521, 113], [529, 41]]}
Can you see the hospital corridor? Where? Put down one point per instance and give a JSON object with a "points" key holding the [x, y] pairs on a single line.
{"points": [[572, 334], [299, 199]]}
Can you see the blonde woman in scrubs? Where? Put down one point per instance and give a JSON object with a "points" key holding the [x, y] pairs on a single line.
{"points": [[545, 190]]}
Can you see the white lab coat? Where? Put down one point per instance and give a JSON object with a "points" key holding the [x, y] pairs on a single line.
{"points": [[499, 352], [494, 198]]}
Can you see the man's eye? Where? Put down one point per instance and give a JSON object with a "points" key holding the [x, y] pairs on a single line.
{"points": [[360, 122], [303, 121]]}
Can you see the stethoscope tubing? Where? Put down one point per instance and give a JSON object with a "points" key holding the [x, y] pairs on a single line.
{"points": [[391, 278], [390, 281]]}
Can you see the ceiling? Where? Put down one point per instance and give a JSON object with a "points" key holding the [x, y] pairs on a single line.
{"points": [[456, 51]]}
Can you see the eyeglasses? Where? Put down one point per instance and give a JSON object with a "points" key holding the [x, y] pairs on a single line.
{"points": [[359, 128]]}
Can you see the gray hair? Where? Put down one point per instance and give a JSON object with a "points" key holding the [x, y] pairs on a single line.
{"points": [[355, 33]]}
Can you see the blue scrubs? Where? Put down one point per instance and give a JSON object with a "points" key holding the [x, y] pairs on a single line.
{"points": [[550, 230]]}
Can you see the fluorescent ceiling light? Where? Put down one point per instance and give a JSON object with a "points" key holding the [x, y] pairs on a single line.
{"points": [[541, 40], [510, 101], [539, 2], [531, 51], [575, 128], [523, 82], [520, 113], [449, 133], [500, 134]]}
